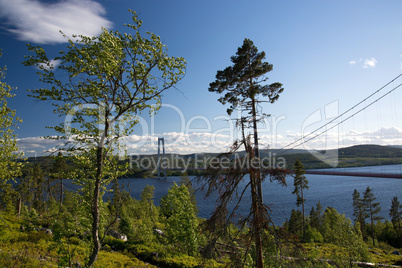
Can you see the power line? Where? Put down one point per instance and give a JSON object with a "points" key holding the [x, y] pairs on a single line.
{"points": [[339, 116]]}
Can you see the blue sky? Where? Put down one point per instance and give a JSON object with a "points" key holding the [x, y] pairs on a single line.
{"points": [[328, 55]]}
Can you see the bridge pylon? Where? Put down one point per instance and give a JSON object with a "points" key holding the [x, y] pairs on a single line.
{"points": [[161, 141]]}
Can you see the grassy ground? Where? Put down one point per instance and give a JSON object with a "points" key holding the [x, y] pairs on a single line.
{"points": [[37, 249], [378, 255]]}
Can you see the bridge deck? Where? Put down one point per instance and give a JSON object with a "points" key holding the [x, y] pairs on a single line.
{"points": [[355, 174]]}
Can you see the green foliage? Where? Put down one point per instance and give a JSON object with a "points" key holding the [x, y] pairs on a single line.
{"points": [[147, 204], [109, 259], [181, 219], [300, 183], [338, 230], [8, 225], [36, 236], [122, 74], [295, 223], [59, 172], [9, 168], [358, 211], [8, 197], [313, 235], [242, 81], [179, 261], [388, 233], [185, 180], [242, 85], [371, 209], [101, 85], [317, 216], [395, 213], [139, 217]]}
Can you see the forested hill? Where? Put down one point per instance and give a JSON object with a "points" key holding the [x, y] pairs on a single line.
{"points": [[371, 151], [354, 156]]}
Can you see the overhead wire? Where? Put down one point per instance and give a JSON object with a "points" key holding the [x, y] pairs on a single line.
{"points": [[365, 107], [339, 116]]}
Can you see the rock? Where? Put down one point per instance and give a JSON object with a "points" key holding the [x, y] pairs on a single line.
{"points": [[117, 235], [160, 232], [396, 252], [154, 254], [46, 231]]}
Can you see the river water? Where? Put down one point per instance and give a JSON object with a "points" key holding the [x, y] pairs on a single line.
{"points": [[334, 191]]}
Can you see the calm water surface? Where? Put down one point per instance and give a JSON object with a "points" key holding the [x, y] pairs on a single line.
{"points": [[334, 191]]}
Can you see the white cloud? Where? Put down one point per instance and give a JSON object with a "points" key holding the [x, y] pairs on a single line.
{"points": [[335, 140], [38, 22], [51, 64], [196, 142], [366, 63], [369, 63], [32, 146]]}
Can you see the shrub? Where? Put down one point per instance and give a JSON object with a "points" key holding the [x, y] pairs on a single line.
{"points": [[313, 235], [35, 236]]}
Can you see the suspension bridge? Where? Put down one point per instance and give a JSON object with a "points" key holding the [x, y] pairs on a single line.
{"points": [[355, 174], [350, 115]]}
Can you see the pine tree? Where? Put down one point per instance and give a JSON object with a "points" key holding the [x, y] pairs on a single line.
{"points": [[396, 214], [8, 197], [295, 222], [371, 209], [38, 180], [359, 211], [147, 203], [317, 216], [300, 183], [242, 84], [59, 170]]}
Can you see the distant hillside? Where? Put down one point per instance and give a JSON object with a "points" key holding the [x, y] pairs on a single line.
{"points": [[395, 146], [371, 151], [354, 156]]}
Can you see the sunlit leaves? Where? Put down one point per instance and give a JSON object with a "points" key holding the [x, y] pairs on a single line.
{"points": [[120, 72], [100, 86], [9, 168], [181, 219]]}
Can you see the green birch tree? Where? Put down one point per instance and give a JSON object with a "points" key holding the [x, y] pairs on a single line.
{"points": [[9, 167], [181, 219], [100, 85]]}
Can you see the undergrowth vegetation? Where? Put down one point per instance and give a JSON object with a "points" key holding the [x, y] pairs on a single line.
{"points": [[136, 233]]}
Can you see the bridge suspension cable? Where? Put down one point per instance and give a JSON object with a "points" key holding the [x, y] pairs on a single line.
{"points": [[339, 116]]}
